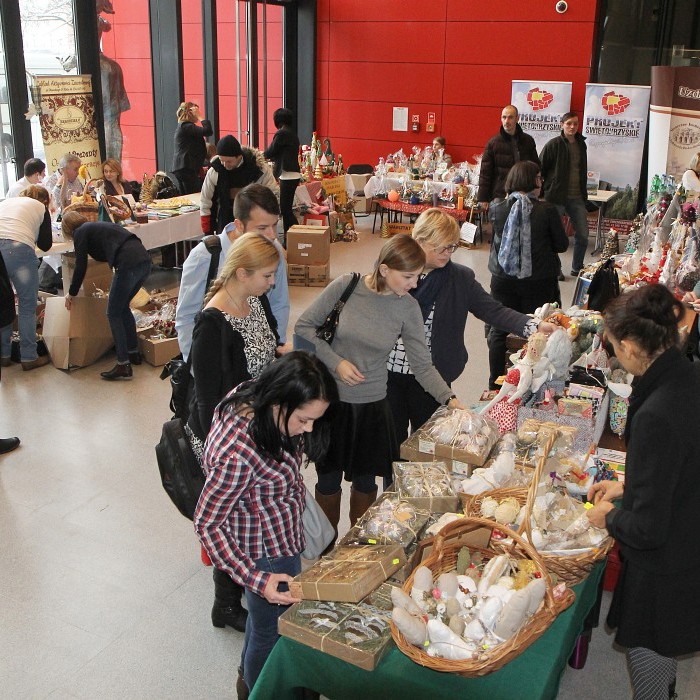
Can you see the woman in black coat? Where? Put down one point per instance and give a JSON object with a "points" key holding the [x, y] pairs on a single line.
{"points": [[655, 607], [284, 151], [524, 260], [190, 147]]}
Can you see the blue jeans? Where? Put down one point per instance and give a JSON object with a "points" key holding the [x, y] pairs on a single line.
{"points": [[261, 627], [23, 268], [125, 285], [576, 209]]}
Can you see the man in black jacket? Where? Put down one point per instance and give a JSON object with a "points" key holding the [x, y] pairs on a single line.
{"points": [[509, 146], [564, 171]]}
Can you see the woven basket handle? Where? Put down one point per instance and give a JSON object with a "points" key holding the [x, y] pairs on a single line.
{"points": [[526, 526], [464, 525]]}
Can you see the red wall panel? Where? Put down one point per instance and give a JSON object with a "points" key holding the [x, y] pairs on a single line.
{"points": [[451, 57]]}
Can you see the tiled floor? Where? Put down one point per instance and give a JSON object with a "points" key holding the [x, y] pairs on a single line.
{"points": [[102, 594]]}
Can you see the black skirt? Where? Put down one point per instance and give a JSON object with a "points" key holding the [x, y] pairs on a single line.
{"points": [[363, 441]]}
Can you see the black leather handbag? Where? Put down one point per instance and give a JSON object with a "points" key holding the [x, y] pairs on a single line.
{"points": [[326, 331]]}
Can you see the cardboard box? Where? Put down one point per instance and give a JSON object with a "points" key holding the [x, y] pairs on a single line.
{"points": [[428, 473], [157, 351], [98, 275], [308, 245], [308, 275], [348, 574], [78, 337], [300, 624], [413, 449]]}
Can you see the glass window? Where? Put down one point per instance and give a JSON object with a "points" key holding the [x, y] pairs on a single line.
{"points": [[48, 36], [7, 169], [638, 34]]}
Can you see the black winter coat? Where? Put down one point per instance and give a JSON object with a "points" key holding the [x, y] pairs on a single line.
{"points": [[190, 146], [548, 238], [284, 151], [656, 603], [502, 152], [555, 168], [460, 294], [218, 364]]}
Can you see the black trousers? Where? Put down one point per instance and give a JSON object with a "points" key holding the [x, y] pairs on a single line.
{"points": [[409, 403], [287, 190], [524, 296]]}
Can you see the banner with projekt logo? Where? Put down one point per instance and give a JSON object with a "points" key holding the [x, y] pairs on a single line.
{"points": [[674, 119], [614, 124], [541, 105]]}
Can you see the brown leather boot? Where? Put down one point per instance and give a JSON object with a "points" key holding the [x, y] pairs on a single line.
{"points": [[359, 503], [330, 505]]}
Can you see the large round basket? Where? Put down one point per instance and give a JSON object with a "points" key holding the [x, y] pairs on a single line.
{"points": [[89, 209], [572, 568], [444, 558]]}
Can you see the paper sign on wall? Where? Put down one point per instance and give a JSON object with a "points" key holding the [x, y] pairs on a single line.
{"points": [[400, 119]]}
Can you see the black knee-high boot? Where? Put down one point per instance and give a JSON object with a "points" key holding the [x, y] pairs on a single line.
{"points": [[227, 608]]}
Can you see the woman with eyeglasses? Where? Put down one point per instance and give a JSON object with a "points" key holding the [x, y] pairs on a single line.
{"points": [[524, 262], [446, 293]]}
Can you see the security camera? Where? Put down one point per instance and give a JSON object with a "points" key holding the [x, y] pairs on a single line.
{"points": [[561, 7]]}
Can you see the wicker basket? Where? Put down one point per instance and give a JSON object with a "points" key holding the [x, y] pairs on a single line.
{"points": [[574, 568], [444, 558], [87, 206]]}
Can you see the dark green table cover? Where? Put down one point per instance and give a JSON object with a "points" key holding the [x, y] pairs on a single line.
{"points": [[533, 674]]}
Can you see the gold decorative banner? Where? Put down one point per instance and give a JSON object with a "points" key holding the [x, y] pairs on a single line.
{"points": [[67, 120]]}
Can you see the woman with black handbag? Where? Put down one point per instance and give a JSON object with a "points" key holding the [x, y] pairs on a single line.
{"points": [[249, 516], [234, 339], [376, 313]]}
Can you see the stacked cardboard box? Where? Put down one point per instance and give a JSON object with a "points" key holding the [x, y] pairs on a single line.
{"points": [[308, 256], [308, 275]]}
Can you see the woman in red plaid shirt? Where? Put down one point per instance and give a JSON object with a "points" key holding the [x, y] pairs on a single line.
{"points": [[249, 514]]}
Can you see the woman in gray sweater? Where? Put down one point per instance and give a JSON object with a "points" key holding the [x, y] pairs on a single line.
{"points": [[379, 310]]}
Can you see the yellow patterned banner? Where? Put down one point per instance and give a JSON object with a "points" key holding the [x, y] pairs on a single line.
{"points": [[67, 120]]}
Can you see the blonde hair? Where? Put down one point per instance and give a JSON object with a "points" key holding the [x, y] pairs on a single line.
{"points": [[251, 252], [400, 253], [116, 166], [41, 194], [185, 112], [435, 227], [70, 221], [694, 162]]}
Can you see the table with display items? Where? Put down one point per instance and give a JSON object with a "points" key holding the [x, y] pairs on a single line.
{"points": [[534, 674], [394, 212], [154, 234]]}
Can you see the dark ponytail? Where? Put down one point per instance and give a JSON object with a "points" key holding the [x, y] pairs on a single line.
{"points": [[648, 315]]}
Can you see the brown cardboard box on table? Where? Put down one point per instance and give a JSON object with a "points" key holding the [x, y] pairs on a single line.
{"points": [[98, 275], [308, 245], [157, 351], [413, 449], [348, 574], [330, 638], [78, 337]]}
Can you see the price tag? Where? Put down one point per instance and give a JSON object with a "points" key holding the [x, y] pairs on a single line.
{"points": [[426, 446]]}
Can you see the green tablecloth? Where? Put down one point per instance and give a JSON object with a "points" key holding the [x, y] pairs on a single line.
{"points": [[533, 674]]}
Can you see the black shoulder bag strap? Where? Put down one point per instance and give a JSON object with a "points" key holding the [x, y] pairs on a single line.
{"points": [[213, 244], [326, 331]]}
